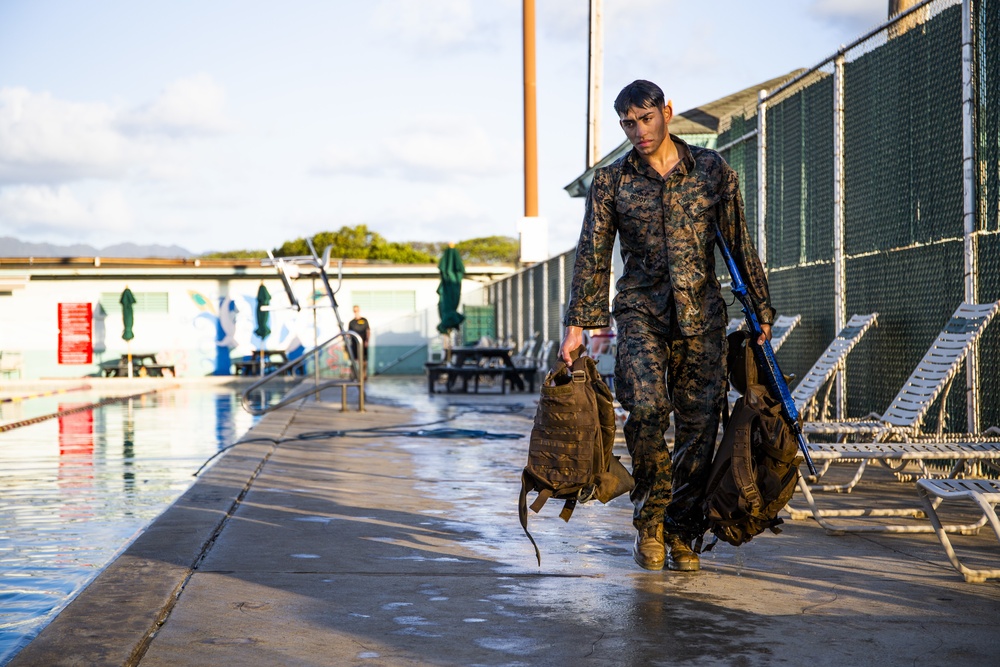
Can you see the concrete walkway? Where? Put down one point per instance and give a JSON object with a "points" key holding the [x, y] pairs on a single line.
{"points": [[335, 549]]}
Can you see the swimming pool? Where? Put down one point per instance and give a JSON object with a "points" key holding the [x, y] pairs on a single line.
{"points": [[77, 489]]}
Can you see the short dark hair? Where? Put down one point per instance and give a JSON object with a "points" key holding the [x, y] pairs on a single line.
{"points": [[640, 94]]}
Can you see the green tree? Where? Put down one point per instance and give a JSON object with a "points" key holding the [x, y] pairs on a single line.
{"points": [[235, 254], [489, 250], [356, 243]]}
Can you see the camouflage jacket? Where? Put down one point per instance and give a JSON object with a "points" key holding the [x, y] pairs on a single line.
{"points": [[666, 226]]}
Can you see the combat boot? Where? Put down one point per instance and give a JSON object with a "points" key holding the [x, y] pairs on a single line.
{"points": [[682, 557], [648, 549]]}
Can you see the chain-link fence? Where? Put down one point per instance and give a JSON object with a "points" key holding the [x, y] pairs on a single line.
{"points": [[854, 182], [854, 185], [530, 303]]}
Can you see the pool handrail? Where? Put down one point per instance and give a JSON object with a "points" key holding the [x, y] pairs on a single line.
{"points": [[281, 373]]}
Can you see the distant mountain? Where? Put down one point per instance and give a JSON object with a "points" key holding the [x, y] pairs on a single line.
{"points": [[11, 247]]}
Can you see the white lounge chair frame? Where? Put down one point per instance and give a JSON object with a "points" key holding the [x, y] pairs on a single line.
{"points": [[902, 421], [983, 492], [826, 367], [931, 379], [918, 452]]}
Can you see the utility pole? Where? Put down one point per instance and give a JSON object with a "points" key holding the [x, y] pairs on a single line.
{"points": [[533, 230], [595, 75], [913, 19], [530, 122]]}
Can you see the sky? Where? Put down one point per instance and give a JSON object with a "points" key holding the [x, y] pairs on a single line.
{"points": [[232, 124]]}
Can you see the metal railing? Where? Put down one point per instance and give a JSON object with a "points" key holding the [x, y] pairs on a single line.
{"points": [[332, 364]]}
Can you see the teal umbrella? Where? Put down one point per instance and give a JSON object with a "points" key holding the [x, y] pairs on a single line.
{"points": [[263, 299], [262, 330], [450, 290], [128, 318], [128, 313]]}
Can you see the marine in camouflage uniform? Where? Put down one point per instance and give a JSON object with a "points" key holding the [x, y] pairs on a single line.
{"points": [[670, 314]]}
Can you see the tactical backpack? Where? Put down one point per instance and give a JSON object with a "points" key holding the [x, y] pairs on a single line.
{"points": [[755, 469], [570, 452]]}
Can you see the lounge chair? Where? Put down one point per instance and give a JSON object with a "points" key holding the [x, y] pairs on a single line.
{"points": [[983, 492], [932, 378], [826, 367], [901, 423]]}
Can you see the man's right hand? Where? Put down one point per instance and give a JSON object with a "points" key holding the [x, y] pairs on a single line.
{"points": [[572, 340]]}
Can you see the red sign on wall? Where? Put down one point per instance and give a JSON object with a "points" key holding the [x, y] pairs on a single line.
{"points": [[75, 333]]}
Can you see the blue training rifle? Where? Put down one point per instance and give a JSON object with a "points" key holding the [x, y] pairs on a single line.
{"points": [[773, 379]]}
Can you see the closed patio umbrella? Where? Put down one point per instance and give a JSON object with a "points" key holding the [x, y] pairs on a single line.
{"points": [[450, 290], [128, 319], [262, 330]]}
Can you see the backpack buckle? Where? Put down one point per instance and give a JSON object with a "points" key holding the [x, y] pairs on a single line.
{"points": [[579, 376]]}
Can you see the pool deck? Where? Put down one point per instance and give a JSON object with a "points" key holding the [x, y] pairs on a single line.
{"points": [[399, 550]]}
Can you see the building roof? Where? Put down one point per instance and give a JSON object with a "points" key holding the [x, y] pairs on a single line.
{"points": [[18, 270], [702, 120]]}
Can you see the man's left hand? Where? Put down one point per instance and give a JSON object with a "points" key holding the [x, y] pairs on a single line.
{"points": [[765, 333]]}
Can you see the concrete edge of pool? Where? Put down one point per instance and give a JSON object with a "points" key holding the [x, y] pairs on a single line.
{"points": [[131, 597]]}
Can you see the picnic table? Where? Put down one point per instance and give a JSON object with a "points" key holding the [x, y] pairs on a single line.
{"points": [[471, 364], [144, 364], [250, 364]]}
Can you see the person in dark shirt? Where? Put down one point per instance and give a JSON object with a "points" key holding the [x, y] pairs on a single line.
{"points": [[359, 325], [664, 201]]}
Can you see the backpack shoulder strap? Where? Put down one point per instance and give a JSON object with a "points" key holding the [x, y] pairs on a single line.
{"points": [[742, 461], [522, 511]]}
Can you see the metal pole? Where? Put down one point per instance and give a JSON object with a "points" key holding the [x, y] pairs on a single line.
{"points": [[969, 210], [521, 337], [839, 264], [595, 80], [530, 125], [562, 291], [762, 175], [546, 300]]}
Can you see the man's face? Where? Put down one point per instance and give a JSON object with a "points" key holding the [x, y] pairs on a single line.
{"points": [[646, 127], [357, 310]]}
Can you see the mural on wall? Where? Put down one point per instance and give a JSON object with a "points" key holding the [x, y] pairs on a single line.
{"points": [[231, 335]]}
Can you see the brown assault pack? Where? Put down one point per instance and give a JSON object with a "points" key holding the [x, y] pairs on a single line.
{"points": [[755, 469], [570, 453]]}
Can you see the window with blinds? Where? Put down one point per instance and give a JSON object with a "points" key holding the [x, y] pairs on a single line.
{"points": [[145, 302], [391, 300]]}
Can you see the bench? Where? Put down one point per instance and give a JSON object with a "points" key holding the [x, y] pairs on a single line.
{"points": [[514, 376], [140, 368], [983, 492]]}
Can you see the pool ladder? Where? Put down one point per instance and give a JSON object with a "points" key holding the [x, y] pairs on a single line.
{"points": [[332, 364]]}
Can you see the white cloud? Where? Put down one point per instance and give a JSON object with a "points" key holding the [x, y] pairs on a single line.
{"points": [[28, 208], [43, 139], [439, 213], [47, 140], [190, 106], [431, 150], [434, 26]]}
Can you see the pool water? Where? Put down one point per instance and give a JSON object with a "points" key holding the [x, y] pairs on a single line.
{"points": [[77, 489]]}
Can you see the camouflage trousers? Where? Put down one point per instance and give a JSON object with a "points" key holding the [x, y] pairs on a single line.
{"points": [[659, 371]]}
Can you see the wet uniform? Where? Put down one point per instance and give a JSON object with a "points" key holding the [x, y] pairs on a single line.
{"points": [[670, 314]]}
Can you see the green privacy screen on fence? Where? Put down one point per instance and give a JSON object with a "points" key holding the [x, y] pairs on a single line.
{"points": [[904, 245]]}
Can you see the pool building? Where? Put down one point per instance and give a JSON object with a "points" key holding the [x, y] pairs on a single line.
{"points": [[62, 317]]}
